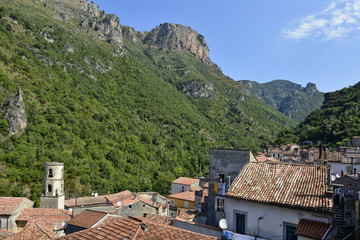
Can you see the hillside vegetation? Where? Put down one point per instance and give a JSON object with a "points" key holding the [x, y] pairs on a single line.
{"points": [[336, 122], [291, 99], [119, 113]]}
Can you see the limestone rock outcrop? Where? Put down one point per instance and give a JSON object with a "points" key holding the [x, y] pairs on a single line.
{"points": [[13, 110], [199, 90], [92, 20], [179, 37]]}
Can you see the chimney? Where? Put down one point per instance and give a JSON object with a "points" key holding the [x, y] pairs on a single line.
{"points": [[144, 227], [329, 191]]}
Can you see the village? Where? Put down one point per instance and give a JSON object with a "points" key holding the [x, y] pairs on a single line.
{"points": [[286, 192]]}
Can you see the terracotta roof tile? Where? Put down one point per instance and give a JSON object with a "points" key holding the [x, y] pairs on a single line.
{"points": [[121, 196], [85, 201], [187, 195], [45, 217], [87, 218], [186, 214], [186, 180], [9, 204], [99, 200], [300, 186], [5, 233], [33, 232], [312, 229], [41, 212], [131, 228], [157, 219]]}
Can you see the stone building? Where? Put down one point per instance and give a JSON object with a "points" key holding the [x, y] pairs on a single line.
{"points": [[53, 186], [224, 166], [10, 209]]}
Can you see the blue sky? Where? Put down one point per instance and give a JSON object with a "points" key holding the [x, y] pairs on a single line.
{"points": [[262, 40]]}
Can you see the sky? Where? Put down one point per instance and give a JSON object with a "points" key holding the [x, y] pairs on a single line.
{"points": [[262, 40]]}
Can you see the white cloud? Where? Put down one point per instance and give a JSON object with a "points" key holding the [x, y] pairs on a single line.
{"points": [[338, 19]]}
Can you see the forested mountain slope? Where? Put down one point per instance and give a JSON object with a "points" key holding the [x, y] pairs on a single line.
{"points": [[337, 120], [291, 99], [120, 110]]}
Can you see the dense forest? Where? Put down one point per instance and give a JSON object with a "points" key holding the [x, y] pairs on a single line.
{"points": [[334, 124], [118, 116]]}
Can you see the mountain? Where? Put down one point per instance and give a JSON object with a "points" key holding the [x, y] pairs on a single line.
{"points": [[335, 123], [121, 109], [290, 98]]}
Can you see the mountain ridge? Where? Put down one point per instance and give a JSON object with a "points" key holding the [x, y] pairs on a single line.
{"points": [[289, 98], [119, 116]]}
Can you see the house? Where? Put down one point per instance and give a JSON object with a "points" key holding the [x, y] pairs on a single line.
{"points": [[160, 202], [183, 184], [269, 200], [276, 153], [86, 220], [125, 203], [105, 203], [346, 198], [181, 200], [262, 158], [34, 232], [54, 219], [10, 209], [224, 166], [133, 228]]}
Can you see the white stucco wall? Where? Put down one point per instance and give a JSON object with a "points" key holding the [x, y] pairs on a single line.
{"points": [[336, 167], [274, 217]]}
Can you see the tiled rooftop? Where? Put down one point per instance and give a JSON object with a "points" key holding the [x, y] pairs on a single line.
{"points": [[99, 200], [300, 186], [9, 204], [41, 212], [85, 201], [135, 229], [121, 196], [186, 214], [5, 233], [87, 218], [187, 195], [185, 180], [312, 229], [34, 232]]}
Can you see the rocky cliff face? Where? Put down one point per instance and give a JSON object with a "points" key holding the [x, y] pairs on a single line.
{"points": [[179, 37], [94, 21], [311, 88], [13, 108], [199, 90]]}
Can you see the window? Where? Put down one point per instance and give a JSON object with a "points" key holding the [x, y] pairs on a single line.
{"points": [[289, 231], [219, 204], [240, 223], [182, 188], [130, 206], [50, 173], [172, 202], [186, 204], [49, 188]]}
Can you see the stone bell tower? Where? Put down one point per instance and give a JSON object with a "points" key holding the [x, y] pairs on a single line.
{"points": [[53, 186]]}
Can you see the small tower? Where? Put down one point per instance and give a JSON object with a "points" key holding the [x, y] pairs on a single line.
{"points": [[53, 186]]}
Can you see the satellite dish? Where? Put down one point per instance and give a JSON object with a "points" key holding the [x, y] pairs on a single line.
{"points": [[63, 223], [223, 224], [119, 203]]}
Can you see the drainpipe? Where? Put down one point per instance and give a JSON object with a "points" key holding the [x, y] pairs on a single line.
{"points": [[258, 230]]}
